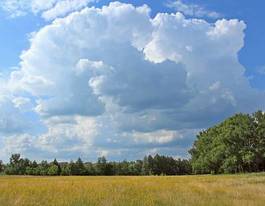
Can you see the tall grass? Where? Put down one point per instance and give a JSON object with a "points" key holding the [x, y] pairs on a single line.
{"points": [[238, 190]]}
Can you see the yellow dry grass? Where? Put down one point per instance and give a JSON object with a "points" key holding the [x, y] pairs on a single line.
{"points": [[238, 190]]}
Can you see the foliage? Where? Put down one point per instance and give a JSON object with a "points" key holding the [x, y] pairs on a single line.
{"points": [[1, 166], [233, 146], [157, 165]]}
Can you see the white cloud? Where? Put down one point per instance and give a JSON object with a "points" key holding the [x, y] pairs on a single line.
{"points": [[15, 8], [14, 114], [12, 119], [22, 103], [160, 136], [193, 10], [61, 79], [64, 137], [116, 81], [49, 9], [62, 8], [17, 144], [68, 134]]}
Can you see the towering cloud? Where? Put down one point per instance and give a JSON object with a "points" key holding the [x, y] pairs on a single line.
{"points": [[115, 80]]}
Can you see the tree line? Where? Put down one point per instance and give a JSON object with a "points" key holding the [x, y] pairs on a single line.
{"points": [[235, 145], [157, 165]]}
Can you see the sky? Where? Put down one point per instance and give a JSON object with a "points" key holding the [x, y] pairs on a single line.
{"points": [[87, 78]]}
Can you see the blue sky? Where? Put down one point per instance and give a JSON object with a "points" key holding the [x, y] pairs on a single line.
{"points": [[125, 80]]}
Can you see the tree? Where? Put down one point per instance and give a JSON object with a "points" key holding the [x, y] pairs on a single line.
{"points": [[66, 171], [72, 166], [259, 121], [17, 165], [137, 167], [42, 168], [157, 165], [13, 166], [101, 166], [53, 170], [55, 162], [80, 167], [235, 145], [145, 166], [90, 169], [1, 166]]}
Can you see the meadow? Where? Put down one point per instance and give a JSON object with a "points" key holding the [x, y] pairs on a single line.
{"points": [[238, 190]]}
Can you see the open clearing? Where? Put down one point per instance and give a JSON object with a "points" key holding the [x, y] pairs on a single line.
{"points": [[227, 190]]}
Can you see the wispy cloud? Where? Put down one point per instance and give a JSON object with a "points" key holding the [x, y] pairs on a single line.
{"points": [[194, 10]]}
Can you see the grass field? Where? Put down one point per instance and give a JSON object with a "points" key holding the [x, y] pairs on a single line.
{"points": [[240, 190]]}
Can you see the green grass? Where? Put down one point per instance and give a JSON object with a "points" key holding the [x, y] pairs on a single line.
{"points": [[239, 190]]}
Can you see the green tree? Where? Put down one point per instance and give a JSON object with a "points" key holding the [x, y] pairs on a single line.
{"points": [[259, 145], [1, 166], [66, 171], [53, 170], [80, 167], [56, 163], [146, 170], [235, 145], [42, 168], [17, 165], [90, 169], [101, 166]]}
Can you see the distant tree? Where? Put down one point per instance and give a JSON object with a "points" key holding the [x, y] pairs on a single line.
{"points": [[17, 165], [183, 167], [145, 167], [157, 165], [137, 167], [90, 169], [42, 168], [101, 166], [55, 162], [125, 168], [73, 169], [1, 166], [109, 170], [53, 170], [80, 167], [30, 171], [65, 170], [13, 166]]}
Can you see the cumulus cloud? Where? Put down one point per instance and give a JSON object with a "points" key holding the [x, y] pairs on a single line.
{"points": [[68, 134], [61, 8], [22, 103], [64, 137], [115, 81], [62, 81], [49, 9], [12, 119], [193, 10], [16, 116], [161, 136], [15, 8]]}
